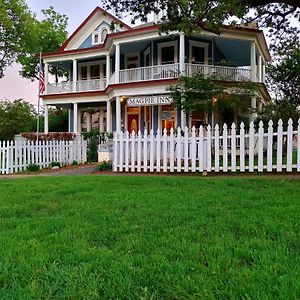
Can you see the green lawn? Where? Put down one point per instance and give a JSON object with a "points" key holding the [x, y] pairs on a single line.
{"points": [[94, 237]]}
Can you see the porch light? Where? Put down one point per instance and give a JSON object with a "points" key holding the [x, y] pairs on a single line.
{"points": [[214, 99], [123, 98]]}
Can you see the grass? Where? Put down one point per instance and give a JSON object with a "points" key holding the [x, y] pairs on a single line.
{"points": [[94, 237]]}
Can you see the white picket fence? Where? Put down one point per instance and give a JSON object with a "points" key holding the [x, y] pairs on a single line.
{"points": [[16, 156], [207, 150]]}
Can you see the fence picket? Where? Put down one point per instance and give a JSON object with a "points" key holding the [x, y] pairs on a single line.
{"points": [[251, 147], [260, 164], [152, 151], [193, 150], [279, 145], [270, 147], [145, 149], [186, 149], [121, 155], [225, 148], [178, 150], [233, 147], [132, 152], [208, 149], [139, 151], [298, 147], [242, 147], [172, 150], [217, 149], [165, 151], [289, 161], [201, 149], [158, 150]]}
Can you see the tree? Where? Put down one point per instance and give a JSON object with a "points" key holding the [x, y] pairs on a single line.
{"points": [[191, 16], [284, 77], [47, 36], [15, 26], [16, 117], [206, 94], [22, 36], [58, 120]]}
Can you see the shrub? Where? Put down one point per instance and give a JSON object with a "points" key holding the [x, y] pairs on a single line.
{"points": [[74, 163], [33, 168], [54, 164], [104, 166]]}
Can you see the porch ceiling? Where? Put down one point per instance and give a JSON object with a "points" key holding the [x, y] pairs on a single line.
{"points": [[237, 52]]}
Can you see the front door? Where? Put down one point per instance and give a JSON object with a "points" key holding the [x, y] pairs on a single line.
{"points": [[133, 123]]}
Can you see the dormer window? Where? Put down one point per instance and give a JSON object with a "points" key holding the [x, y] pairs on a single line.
{"points": [[103, 35], [96, 38]]}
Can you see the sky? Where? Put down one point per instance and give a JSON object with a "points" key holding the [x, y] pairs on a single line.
{"points": [[13, 86]]}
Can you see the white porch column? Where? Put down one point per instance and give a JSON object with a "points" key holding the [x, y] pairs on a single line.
{"points": [[183, 119], [69, 120], [107, 69], [108, 117], [118, 114], [46, 119], [181, 53], [253, 62], [263, 72], [117, 64], [253, 107], [74, 74], [75, 117], [46, 68], [259, 68]]}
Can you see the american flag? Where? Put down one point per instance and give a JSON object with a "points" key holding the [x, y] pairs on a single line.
{"points": [[41, 78]]}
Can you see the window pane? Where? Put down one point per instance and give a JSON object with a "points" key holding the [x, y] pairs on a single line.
{"points": [[198, 55], [95, 72], [167, 55], [96, 38], [84, 73]]}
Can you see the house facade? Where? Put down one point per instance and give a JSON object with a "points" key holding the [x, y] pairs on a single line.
{"points": [[119, 78]]}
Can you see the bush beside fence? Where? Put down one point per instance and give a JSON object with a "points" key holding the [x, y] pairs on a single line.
{"points": [[210, 150]]}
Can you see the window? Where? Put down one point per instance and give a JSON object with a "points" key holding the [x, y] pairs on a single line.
{"points": [[84, 73], [95, 72], [95, 38], [132, 61], [103, 35], [198, 55], [168, 55]]}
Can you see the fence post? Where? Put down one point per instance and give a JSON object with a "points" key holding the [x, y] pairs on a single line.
{"points": [[289, 160], [145, 148], [151, 151], [260, 165], [121, 156], [178, 150], [225, 148], [115, 160], [242, 147], [208, 149], [172, 150], [158, 150], [279, 145], [270, 147], [233, 147], [251, 147], [165, 151], [201, 149], [186, 150]]}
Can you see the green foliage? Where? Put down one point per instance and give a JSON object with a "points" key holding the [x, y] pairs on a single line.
{"points": [[203, 93], [191, 16], [46, 36], [92, 137], [74, 163], [16, 117], [58, 119], [16, 25], [104, 166], [23, 36], [275, 110], [33, 168], [284, 76], [149, 237], [54, 164]]}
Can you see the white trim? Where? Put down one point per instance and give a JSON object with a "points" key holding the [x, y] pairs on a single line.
{"points": [[167, 44], [200, 45]]}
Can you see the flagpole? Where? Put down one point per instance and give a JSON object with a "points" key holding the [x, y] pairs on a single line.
{"points": [[38, 112]]}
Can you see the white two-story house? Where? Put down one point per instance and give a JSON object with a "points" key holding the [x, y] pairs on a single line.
{"points": [[120, 79]]}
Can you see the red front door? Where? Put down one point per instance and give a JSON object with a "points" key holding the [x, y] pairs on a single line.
{"points": [[133, 123]]}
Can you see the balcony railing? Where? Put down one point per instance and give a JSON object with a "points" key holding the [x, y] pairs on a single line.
{"points": [[220, 72], [154, 73], [90, 85], [60, 88], [149, 73]]}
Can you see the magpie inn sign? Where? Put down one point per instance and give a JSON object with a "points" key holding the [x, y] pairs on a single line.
{"points": [[149, 100]]}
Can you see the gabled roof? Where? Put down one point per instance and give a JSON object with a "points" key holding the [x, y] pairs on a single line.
{"points": [[94, 12]]}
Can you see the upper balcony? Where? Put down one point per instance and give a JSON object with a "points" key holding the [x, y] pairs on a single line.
{"points": [[161, 59]]}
